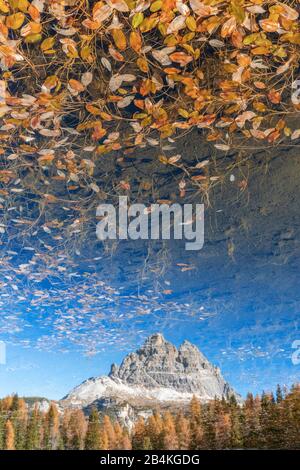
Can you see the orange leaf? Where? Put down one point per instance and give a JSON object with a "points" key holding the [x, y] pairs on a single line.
{"points": [[15, 21], [142, 65], [119, 39], [180, 57], [135, 41], [228, 27], [274, 96]]}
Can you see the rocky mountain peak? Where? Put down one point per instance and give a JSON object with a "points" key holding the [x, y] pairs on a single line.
{"points": [[157, 374], [158, 363]]}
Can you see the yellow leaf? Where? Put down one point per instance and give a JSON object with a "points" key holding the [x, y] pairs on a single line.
{"points": [[51, 82], [32, 38], [163, 159], [259, 106], [148, 24], [4, 8], [191, 23], [261, 50], [119, 39], [47, 44], [71, 51], [293, 38], [155, 6], [135, 41], [23, 5], [86, 54], [15, 21], [142, 65], [237, 10], [137, 19], [182, 112]]}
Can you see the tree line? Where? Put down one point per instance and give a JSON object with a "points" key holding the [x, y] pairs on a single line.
{"points": [[265, 422]]}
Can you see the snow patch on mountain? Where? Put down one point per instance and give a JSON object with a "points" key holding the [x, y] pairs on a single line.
{"points": [[157, 374]]}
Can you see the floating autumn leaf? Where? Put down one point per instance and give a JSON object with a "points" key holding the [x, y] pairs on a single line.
{"points": [[245, 116], [15, 21], [101, 12], [216, 43], [284, 67], [125, 185], [191, 23], [137, 19], [69, 47], [202, 164], [151, 69], [75, 87], [119, 5], [287, 12], [201, 9], [274, 96], [115, 54], [117, 80], [105, 62], [237, 10], [48, 44], [163, 55], [181, 57], [177, 24], [295, 134], [223, 147], [4, 7], [228, 27], [45, 160], [135, 41], [269, 25], [125, 101], [86, 78], [30, 29], [119, 39], [174, 159]]}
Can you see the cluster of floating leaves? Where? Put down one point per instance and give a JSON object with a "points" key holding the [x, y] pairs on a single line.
{"points": [[84, 83], [51, 303]]}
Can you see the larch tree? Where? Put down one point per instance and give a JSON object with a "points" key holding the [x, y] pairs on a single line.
{"points": [[196, 428], [139, 434], [170, 440], [183, 431], [51, 428], [108, 428], [33, 431], [9, 436], [223, 431], [93, 434]]}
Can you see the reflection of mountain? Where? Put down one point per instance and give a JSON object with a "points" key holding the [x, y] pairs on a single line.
{"points": [[156, 375]]}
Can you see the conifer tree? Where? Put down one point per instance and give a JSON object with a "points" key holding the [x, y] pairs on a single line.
{"points": [[223, 431], [118, 436], [108, 428], [32, 440], [139, 434], [77, 426], [51, 428], [2, 428], [196, 428], [236, 439], [19, 416], [170, 440], [154, 427], [93, 434], [279, 394], [126, 442], [9, 436], [251, 427], [183, 431]]}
